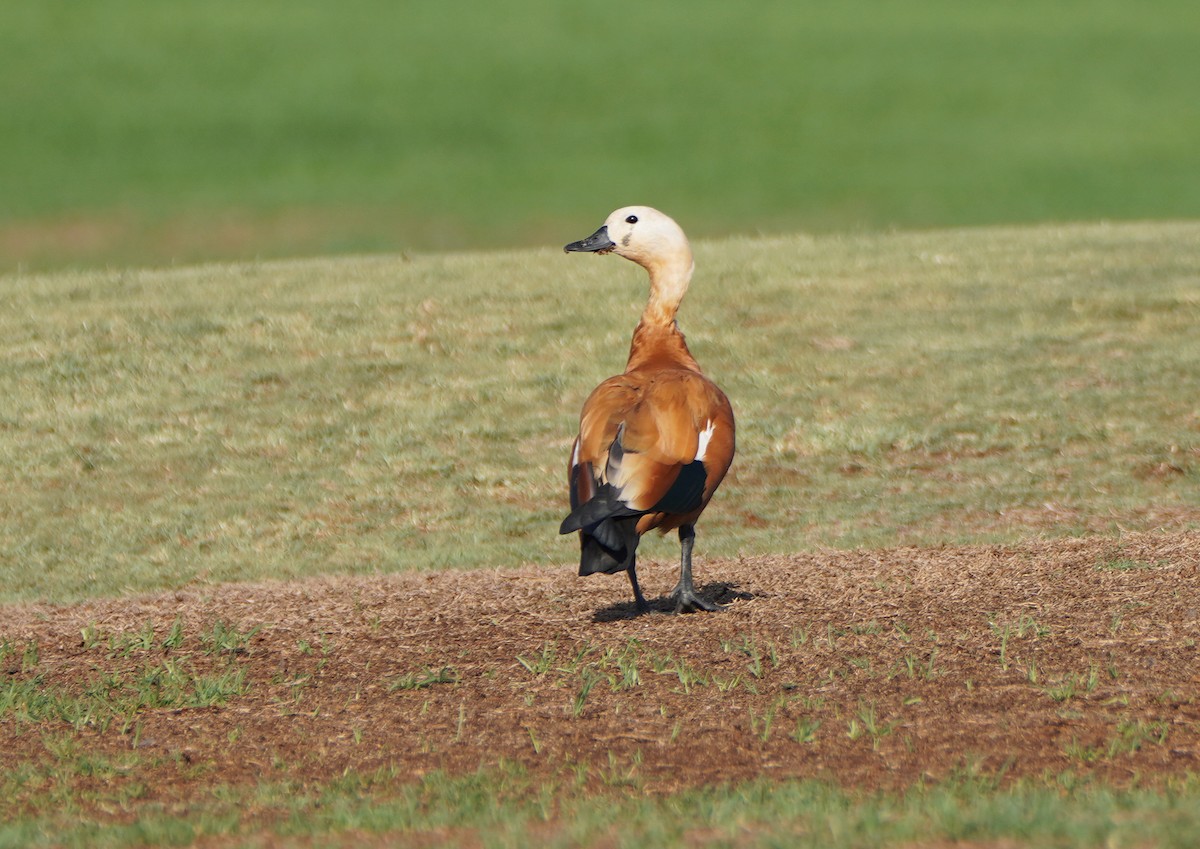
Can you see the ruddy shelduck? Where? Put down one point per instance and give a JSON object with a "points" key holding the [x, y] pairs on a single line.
{"points": [[655, 442]]}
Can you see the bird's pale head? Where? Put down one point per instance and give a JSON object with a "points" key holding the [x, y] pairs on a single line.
{"points": [[641, 234]]}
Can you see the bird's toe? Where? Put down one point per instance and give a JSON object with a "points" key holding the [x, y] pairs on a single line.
{"points": [[691, 602]]}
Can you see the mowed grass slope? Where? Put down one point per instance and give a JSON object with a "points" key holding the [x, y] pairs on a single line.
{"points": [[138, 133], [160, 429]]}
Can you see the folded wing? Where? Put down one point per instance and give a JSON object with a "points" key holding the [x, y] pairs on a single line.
{"points": [[653, 446]]}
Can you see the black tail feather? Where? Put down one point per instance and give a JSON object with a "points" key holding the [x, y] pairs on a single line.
{"points": [[608, 537], [610, 548], [605, 504]]}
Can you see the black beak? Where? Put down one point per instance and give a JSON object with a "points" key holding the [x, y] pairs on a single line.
{"points": [[598, 242]]}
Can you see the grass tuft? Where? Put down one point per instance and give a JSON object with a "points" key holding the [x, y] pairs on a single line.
{"points": [[425, 678]]}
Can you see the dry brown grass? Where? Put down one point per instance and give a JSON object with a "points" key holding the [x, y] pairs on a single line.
{"points": [[868, 669]]}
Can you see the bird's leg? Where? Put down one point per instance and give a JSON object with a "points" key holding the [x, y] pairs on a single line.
{"points": [[684, 595], [639, 600]]}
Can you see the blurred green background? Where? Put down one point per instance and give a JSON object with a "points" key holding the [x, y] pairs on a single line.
{"points": [[140, 132]]}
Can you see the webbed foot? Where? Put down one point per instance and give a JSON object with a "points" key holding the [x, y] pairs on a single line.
{"points": [[687, 600]]}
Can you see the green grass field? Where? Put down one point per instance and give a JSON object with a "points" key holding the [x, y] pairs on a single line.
{"points": [[283, 420], [140, 134], [501, 809]]}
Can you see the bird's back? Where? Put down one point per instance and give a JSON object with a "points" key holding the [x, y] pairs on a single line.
{"points": [[661, 437]]}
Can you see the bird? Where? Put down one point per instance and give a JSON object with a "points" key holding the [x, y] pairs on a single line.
{"points": [[654, 442]]}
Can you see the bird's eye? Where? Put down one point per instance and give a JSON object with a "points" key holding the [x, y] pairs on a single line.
{"points": [[631, 219]]}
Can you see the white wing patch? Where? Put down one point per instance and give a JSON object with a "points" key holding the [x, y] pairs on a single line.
{"points": [[705, 436]]}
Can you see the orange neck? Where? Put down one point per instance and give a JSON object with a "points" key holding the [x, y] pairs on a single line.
{"points": [[660, 346], [657, 339]]}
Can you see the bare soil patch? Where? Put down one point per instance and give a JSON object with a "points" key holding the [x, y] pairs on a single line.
{"points": [[873, 669]]}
